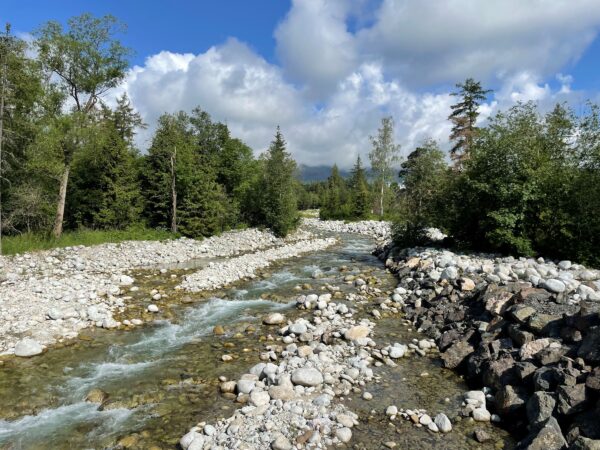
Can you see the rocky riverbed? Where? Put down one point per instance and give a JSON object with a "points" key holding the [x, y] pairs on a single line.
{"points": [[526, 332], [50, 296]]}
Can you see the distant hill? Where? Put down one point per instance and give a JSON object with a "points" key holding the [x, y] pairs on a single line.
{"points": [[318, 173]]}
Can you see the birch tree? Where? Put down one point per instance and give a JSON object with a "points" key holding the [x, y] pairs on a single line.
{"points": [[383, 156], [87, 62]]}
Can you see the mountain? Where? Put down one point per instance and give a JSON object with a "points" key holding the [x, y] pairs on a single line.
{"points": [[318, 173]]}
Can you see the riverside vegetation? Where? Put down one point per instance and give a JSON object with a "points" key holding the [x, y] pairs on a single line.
{"points": [[523, 330]]}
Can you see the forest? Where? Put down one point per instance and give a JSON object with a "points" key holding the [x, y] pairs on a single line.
{"points": [[526, 182]]}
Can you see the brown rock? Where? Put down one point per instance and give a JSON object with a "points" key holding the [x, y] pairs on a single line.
{"points": [[456, 354], [96, 396], [218, 330]]}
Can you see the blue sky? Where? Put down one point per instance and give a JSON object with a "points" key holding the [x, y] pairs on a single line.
{"points": [[328, 70], [179, 26]]}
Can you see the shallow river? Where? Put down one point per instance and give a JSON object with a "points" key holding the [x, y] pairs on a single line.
{"points": [[162, 378]]}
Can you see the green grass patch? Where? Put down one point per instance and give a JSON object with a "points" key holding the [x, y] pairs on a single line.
{"points": [[28, 242]]}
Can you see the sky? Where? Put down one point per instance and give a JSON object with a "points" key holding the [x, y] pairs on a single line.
{"points": [[327, 71]]}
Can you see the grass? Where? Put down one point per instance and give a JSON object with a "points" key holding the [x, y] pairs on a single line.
{"points": [[28, 242]]}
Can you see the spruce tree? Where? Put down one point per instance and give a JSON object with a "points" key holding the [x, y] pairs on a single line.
{"points": [[359, 192], [278, 200], [463, 117]]}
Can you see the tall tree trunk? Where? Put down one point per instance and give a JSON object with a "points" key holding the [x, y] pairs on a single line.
{"points": [[173, 194], [62, 197], [381, 199]]}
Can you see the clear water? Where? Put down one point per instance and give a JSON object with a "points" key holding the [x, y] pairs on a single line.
{"points": [[162, 378]]}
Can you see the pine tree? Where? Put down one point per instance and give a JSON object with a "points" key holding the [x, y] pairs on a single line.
{"points": [[278, 200], [383, 155], [360, 192], [464, 117]]}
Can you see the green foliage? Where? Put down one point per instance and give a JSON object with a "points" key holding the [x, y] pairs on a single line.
{"points": [[530, 186], [360, 193], [383, 156], [276, 189], [337, 201], [27, 242]]}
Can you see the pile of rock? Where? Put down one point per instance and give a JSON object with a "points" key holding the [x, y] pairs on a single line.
{"points": [[528, 330], [220, 274], [49, 295], [380, 230], [290, 399]]}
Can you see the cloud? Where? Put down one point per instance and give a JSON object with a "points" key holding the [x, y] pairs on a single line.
{"points": [[428, 41], [337, 81]]}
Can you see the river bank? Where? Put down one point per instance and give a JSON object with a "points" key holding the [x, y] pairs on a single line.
{"points": [[526, 332], [51, 296]]}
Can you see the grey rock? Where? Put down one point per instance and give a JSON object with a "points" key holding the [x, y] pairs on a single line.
{"points": [[307, 377], [28, 347], [443, 423], [540, 407]]}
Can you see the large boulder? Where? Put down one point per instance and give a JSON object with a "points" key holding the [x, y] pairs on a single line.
{"points": [[571, 399], [547, 436], [511, 399], [540, 407], [28, 347]]}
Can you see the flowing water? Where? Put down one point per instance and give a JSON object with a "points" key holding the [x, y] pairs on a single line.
{"points": [[162, 378]]}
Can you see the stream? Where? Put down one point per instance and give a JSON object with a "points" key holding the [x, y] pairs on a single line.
{"points": [[162, 378]]}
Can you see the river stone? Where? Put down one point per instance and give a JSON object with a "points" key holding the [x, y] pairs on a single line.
{"points": [[245, 386], [274, 319], [96, 396], [343, 434], [187, 440], [481, 415], [298, 328], [28, 347], [554, 285], [397, 351], [259, 398], [281, 443], [152, 308], [357, 332], [307, 377], [449, 273], [55, 314], [443, 423]]}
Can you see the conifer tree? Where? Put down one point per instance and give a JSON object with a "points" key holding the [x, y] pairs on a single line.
{"points": [[464, 117], [278, 200], [359, 192]]}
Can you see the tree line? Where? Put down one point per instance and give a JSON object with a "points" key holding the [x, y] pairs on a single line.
{"points": [[527, 183], [68, 160]]}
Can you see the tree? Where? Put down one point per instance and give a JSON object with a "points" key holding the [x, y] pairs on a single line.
{"points": [[384, 154], [20, 91], [88, 62], [337, 204], [167, 169], [464, 117], [423, 176], [278, 198], [359, 192]]}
